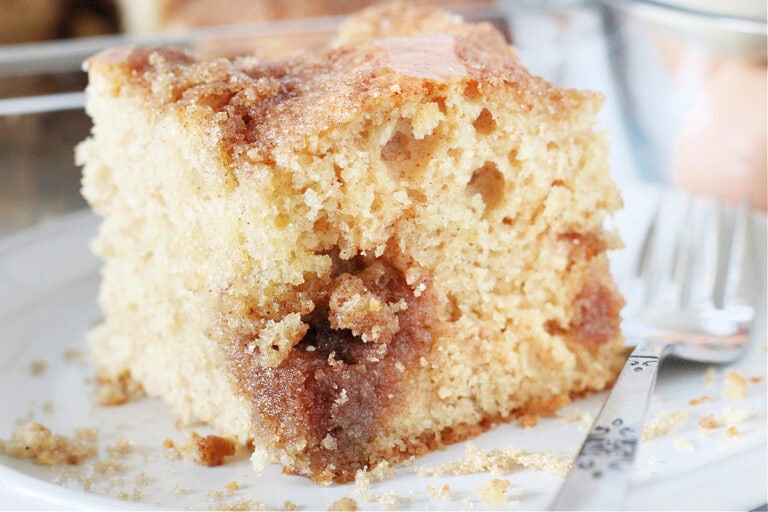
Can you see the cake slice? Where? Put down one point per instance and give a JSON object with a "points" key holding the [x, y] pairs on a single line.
{"points": [[357, 255]]}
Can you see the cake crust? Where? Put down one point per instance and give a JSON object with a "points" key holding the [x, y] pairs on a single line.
{"points": [[273, 107]]}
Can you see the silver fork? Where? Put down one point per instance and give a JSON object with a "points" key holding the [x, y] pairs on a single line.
{"points": [[680, 313]]}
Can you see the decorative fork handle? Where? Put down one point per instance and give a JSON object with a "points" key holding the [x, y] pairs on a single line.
{"points": [[604, 465]]}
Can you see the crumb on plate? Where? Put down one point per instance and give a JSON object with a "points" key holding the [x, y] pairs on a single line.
{"points": [[499, 461], [698, 401], [439, 493], [119, 390], [664, 423], [343, 505], [211, 450], [36, 441], [37, 368], [735, 385], [494, 492], [710, 375], [708, 422], [240, 504]]}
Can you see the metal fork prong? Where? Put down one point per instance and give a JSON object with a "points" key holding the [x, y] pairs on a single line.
{"points": [[646, 270], [646, 248], [685, 261], [725, 229], [741, 284]]}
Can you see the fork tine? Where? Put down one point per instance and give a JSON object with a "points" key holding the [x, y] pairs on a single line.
{"points": [[645, 269], [744, 255], [685, 266], [732, 232]]}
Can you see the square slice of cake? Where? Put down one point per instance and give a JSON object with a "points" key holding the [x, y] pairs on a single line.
{"points": [[356, 255]]}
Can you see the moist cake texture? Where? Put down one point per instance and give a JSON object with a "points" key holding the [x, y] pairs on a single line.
{"points": [[356, 255]]}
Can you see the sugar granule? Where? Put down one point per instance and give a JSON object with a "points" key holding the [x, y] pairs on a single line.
{"points": [[439, 493], [499, 461], [663, 424]]}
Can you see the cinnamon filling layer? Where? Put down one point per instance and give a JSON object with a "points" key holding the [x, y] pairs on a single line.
{"points": [[340, 383]]}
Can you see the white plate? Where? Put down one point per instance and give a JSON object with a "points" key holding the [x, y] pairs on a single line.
{"points": [[48, 287]]}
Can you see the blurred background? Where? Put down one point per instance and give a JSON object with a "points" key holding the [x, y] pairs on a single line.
{"points": [[685, 80]]}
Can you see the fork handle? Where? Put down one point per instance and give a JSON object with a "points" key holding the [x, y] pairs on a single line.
{"points": [[599, 476]]}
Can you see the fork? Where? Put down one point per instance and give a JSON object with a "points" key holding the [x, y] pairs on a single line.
{"points": [[680, 313]]}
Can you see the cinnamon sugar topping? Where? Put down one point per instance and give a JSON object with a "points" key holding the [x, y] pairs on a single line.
{"points": [[429, 56]]}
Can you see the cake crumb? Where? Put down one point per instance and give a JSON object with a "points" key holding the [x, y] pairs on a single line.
{"points": [[583, 419], [735, 385], [75, 356], [710, 375], [37, 368], [215, 494], [242, 504], [47, 407], [135, 495], [708, 422], [119, 390], [382, 471], [663, 424], [439, 493], [499, 461], [178, 489], [698, 401], [208, 451], [65, 475], [108, 466], [494, 492], [528, 420], [343, 505], [683, 444], [171, 451], [387, 500], [756, 379], [143, 479], [732, 432], [289, 505], [121, 446], [35, 441], [233, 486]]}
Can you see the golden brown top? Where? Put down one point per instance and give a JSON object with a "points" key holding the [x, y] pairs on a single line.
{"points": [[268, 104]]}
